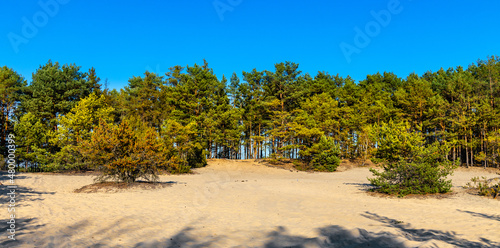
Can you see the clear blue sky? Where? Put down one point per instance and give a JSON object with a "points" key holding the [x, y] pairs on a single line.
{"points": [[122, 39]]}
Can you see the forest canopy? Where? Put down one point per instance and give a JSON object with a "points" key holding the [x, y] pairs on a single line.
{"points": [[188, 115]]}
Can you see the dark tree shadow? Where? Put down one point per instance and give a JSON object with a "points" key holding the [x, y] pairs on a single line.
{"points": [[487, 216], [21, 193], [280, 238], [366, 187], [329, 236], [29, 235], [182, 239], [24, 228], [423, 235], [19, 175]]}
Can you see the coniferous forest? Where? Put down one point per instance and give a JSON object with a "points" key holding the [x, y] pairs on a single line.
{"points": [[65, 119]]}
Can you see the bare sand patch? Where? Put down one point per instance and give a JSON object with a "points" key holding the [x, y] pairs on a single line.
{"points": [[247, 204]]}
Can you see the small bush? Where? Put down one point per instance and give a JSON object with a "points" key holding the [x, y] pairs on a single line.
{"points": [[196, 156], [322, 156], [410, 166], [484, 187], [178, 166], [273, 161], [403, 178], [298, 165]]}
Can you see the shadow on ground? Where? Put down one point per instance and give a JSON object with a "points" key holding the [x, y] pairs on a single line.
{"points": [[486, 216], [365, 187], [337, 236], [21, 193], [24, 228], [400, 235], [424, 235]]}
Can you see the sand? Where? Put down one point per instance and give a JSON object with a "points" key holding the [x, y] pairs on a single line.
{"points": [[247, 204]]}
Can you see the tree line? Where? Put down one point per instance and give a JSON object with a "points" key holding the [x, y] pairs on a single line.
{"points": [[65, 119]]}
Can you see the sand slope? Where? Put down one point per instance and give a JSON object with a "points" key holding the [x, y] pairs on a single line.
{"points": [[246, 204]]}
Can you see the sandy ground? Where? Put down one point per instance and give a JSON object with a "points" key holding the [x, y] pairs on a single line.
{"points": [[246, 204]]}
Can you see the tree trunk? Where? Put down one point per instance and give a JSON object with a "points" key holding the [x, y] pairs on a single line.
{"points": [[466, 153]]}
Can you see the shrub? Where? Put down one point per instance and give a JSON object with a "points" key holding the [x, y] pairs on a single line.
{"points": [[484, 187], [124, 153], [178, 166], [403, 178], [323, 156], [196, 156], [410, 167]]}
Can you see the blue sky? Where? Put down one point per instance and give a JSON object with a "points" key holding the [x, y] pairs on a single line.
{"points": [[122, 39]]}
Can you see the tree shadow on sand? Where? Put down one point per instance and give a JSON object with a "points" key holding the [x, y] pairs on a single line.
{"points": [[486, 216], [184, 238], [23, 227], [22, 193], [364, 187], [30, 235], [329, 236], [335, 236], [423, 235]]}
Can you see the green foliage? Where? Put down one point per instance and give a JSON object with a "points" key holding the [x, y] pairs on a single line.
{"points": [[182, 148], [403, 178], [410, 167], [55, 90], [31, 135], [395, 142], [123, 153], [365, 144], [324, 155], [145, 98], [11, 84], [76, 127], [282, 112]]}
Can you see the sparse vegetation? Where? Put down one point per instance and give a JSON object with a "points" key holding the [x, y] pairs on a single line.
{"points": [[486, 187]]}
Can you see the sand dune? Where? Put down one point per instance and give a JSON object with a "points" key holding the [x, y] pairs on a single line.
{"points": [[247, 204]]}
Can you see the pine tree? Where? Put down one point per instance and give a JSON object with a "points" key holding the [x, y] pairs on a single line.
{"points": [[77, 126], [11, 84], [125, 153], [144, 98], [410, 166], [54, 91], [31, 139]]}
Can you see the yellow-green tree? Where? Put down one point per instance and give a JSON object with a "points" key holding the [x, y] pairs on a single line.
{"points": [[31, 135], [76, 127], [183, 150], [122, 153], [410, 166]]}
